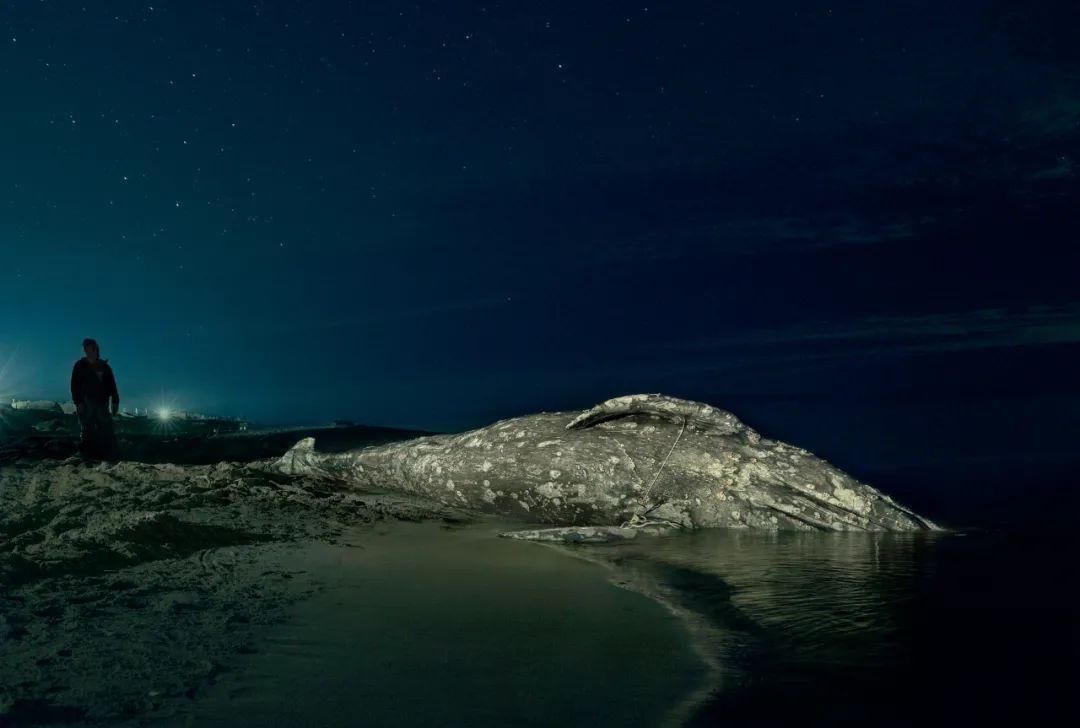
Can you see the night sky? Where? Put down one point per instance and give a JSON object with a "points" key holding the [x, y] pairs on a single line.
{"points": [[855, 224]]}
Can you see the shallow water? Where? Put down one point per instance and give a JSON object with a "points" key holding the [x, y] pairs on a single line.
{"points": [[418, 624], [899, 628]]}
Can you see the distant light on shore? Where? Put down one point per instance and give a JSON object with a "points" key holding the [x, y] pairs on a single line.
{"points": [[164, 413]]}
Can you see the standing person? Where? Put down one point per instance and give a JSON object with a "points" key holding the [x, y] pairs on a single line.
{"points": [[93, 390]]}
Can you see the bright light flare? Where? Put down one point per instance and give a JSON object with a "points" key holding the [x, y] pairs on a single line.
{"points": [[165, 415]]}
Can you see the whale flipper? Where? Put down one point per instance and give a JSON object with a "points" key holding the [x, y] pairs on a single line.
{"points": [[305, 445], [671, 408], [292, 461]]}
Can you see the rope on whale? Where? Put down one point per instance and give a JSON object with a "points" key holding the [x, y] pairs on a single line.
{"points": [[639, 520]]}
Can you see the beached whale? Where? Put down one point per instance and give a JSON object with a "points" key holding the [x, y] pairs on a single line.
{"points": [[641, 462]]}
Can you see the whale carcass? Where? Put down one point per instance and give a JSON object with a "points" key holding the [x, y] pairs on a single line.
{"points": [[644, 460]]}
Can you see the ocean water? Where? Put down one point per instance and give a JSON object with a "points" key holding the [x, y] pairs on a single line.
{"points": [[881, 628]]}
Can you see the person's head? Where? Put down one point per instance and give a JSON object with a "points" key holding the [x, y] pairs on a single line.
{"points": [[90, 348]]}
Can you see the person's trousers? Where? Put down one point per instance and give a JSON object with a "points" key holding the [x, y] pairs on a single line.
{"points": [[96, 437]]}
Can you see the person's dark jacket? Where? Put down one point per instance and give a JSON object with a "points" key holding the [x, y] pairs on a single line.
{"points": [[88, 387]]}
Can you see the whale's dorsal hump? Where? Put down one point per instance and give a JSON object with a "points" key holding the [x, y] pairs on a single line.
{"points": [[671, 408]]}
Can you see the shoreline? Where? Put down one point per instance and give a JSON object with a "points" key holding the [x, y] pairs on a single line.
{"points": [[704, 636]]}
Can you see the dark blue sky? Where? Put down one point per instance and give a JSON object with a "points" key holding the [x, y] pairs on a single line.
{"points": [[436, 214]]}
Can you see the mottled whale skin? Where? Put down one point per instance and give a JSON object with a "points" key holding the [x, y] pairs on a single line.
{"points": [[638, 459]]}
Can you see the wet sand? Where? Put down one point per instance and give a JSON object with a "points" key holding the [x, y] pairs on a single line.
{"points": [[419, 624]]}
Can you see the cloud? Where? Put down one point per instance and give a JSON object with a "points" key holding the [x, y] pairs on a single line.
{"points": [[959, 331], [767, 234], [750, 236]]}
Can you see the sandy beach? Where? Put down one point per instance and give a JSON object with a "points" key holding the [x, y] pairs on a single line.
{"points": [[131, 590], [125, 584]]}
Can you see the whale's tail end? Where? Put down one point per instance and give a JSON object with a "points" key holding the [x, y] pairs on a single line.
{"points": [[298, 458]]}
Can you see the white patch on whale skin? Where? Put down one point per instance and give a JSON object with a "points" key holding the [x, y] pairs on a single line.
{"points": [[487, 483], [547, 443], [549, 490], [524, 505], [449, 485], [850, 499], [488, 496], [486, 466], [475, 442], [554, 474]]}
